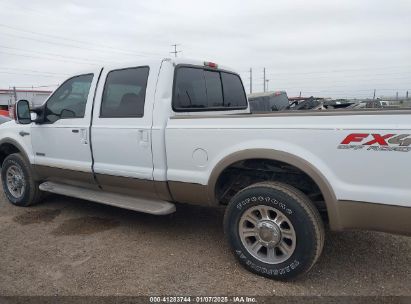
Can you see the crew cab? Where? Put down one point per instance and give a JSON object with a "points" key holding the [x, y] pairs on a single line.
{"points": [[148, 135]]}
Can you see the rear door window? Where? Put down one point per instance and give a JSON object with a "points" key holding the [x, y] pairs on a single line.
{"points": [[124, 93], [199, 89]]}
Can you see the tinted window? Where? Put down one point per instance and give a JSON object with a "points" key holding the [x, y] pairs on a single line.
{"points": [[233, 91], [124, 93], [70, 99], [214, 89], [190, 89], [199, 89]]}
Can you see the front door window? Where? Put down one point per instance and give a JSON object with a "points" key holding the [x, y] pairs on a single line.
{"points": [[69, 100]]}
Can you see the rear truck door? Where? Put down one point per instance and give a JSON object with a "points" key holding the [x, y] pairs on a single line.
{"points": [[61, 144], [121, 131]]}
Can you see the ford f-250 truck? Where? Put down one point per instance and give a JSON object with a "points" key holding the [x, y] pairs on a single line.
{"points": [[148, 135]]}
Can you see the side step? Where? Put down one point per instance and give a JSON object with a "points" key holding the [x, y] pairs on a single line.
{"points": [[156, 207]]}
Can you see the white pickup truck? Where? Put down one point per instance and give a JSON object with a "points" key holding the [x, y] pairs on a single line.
{"points": [[148, 135]]}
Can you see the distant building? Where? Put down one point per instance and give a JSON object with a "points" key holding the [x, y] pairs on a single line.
{"points": [[35, 97]]}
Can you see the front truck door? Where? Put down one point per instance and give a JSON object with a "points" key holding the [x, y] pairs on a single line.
{"points": [[61, 144], [121, 131]]}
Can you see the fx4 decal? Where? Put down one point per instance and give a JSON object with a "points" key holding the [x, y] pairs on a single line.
{"points": [[377, 142]]}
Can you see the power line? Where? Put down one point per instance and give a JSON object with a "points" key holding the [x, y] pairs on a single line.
{"points": [[55, 55], [33, 71], [133, 53], [41, 13], [48, 58], [341, 88], [39, 86], [25, 74], [280, 73], [343, 91], [343, 81], [69, 45], [406, 75], [345, 76]]}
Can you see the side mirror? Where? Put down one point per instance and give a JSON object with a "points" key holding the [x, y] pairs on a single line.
{"points": [[23, 112]]}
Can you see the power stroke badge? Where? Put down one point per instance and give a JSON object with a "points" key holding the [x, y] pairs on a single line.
{"points": [[377, 142]]}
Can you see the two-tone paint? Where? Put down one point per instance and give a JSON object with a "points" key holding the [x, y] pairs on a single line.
{"points": [[179, 156]]}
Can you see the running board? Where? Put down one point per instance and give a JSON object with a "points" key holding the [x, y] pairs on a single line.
{"points": [[156, 207]]}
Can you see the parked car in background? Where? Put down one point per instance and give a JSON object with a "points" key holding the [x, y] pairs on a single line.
{"points": [[373, 104], [4, 119], [316, 103]]}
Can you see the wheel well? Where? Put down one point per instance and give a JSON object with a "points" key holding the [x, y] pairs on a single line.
{"points": [[244, 173], [5, 150]]}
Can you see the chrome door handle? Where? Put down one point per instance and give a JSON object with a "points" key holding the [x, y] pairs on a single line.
{"points": [[22, 133]]}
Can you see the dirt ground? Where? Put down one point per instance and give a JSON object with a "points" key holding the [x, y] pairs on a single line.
{"points": [[67, 246]]}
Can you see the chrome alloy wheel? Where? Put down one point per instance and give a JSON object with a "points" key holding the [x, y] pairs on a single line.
{"points": [[15, 181], [267, 234]]}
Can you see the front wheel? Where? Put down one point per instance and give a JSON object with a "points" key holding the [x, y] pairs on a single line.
{"points": [[18, 183], [274, 230]]}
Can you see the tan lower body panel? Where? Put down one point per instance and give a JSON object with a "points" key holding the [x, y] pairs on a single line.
{"points": [[116, 184], [372, 216], [190, 193], [127, 185], [169, 191], [348, 214], [71, 177]]}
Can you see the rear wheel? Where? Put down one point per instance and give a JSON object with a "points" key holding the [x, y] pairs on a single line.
{"points": [[274, 230], [18, 183]]}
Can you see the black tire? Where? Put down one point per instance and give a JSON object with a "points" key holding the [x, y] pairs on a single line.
{"points": [[31, 193], [277, 198]]}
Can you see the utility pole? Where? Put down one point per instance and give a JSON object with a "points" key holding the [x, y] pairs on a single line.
{"points": [[406, 95], [251, 80], [175, 49], [373, 98], [267, 80], [300, 94], [264, 80], [15, 94], [396, 96]]}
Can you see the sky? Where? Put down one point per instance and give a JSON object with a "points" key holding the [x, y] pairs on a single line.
{"points": [[326, 48]]}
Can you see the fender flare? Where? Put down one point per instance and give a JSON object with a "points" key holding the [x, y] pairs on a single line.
{"points": [[296, 161], [11, 141]]}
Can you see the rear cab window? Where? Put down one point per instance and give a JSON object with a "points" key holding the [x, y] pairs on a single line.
{"points": [[205, 89]]}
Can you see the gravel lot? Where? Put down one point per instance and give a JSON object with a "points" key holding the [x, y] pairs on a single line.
{"points": [[67, 246]]}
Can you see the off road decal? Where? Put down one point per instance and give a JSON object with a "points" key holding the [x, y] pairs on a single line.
{"points": [[377, 142]]}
